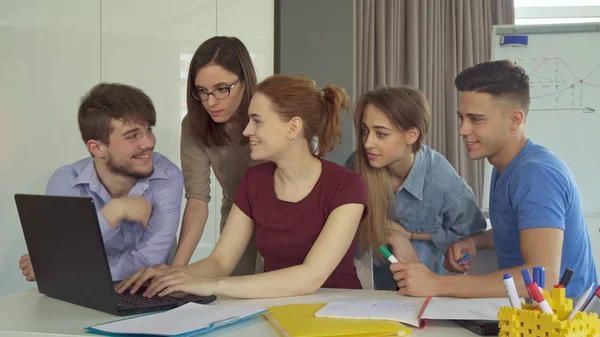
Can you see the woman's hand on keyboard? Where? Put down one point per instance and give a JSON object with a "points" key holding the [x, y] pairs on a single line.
{"points": [[137, 280], [179, 281]]}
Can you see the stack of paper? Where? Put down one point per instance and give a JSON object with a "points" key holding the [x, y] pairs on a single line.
{"points": [[188, 320]]}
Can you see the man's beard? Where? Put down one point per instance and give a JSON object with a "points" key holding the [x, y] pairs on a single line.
{"points": [[126, 170]]}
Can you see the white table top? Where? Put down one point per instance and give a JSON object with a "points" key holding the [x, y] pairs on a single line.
{"points": [[30, 314]]}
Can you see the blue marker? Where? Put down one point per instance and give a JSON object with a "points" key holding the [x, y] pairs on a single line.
{"points": [[465, 259], [539, 276], [527, 280], [526, 276]]}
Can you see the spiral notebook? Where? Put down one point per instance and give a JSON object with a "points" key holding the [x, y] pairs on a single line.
{"points": [[190, 319]]}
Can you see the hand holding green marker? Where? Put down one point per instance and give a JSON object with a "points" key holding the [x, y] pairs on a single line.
{"points": [[388, 255]]}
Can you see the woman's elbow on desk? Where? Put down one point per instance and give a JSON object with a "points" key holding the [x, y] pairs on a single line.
{"points": [[307, 280]]}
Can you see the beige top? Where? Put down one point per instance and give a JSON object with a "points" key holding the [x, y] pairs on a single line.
{"points": [[228, 162]]}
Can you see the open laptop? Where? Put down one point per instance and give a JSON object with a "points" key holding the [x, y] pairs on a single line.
{"points": [[67, 252]]}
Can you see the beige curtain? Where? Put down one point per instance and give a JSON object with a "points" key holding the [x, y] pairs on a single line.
{"points": [[425, 44]]}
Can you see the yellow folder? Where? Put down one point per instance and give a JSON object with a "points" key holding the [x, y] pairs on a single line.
{"points": [[298, 320]]}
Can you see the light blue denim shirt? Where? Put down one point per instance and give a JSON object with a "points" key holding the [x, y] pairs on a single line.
{"points": [[433, 199], [129, 246]]}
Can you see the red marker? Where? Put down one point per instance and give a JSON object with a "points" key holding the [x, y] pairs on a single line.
{"points": [[535, 292], [538, 297]]}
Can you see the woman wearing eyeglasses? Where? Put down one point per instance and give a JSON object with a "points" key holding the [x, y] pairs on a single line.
{"points": [[221, 81]]}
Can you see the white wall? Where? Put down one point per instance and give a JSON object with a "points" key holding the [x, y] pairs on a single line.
{"points": [[55, 51]]}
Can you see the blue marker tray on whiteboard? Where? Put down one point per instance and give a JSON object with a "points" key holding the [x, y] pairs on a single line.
{"points": [[514, 40]]}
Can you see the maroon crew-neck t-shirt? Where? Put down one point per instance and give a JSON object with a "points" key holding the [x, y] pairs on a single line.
{"points": [[285, 231]]}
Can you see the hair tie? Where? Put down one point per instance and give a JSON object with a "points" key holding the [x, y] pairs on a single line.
{"points": [[322, 93]]}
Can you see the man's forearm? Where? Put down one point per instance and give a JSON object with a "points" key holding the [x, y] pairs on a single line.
{"points": [[478, 286], [113, 212]]}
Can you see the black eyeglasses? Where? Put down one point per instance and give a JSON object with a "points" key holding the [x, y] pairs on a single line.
{"points": [[219, 93]]}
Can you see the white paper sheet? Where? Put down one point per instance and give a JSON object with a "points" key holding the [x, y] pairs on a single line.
{"points": [[467, 309], [186, 318]]}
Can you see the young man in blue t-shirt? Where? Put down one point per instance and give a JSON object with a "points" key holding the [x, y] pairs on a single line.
{"points": [[535, 208]]}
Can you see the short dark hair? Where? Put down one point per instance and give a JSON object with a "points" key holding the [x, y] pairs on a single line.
{"points": [[231, 54], [108, 101], [501, 79]]}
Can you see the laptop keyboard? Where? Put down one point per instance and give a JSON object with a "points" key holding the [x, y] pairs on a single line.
{"points": [[139, 300]]}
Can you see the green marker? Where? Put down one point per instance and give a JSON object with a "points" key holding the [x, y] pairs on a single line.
{"points": [[388, 255]]}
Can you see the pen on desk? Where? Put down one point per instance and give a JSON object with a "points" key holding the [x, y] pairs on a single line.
{"points": [[511, 289], [566, 277], [582, 299], [388, 255], [535, 292]]}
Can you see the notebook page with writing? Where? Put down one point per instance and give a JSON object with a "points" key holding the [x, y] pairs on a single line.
{"points": [[405, 310], [465, 309], [190, 317]]}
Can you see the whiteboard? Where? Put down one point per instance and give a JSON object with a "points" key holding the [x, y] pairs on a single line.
{"points": [[563, 63]]}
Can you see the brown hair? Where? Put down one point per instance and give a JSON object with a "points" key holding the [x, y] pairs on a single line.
{"points": [[297, 96], [501, 79], [108, 101], [406, 108], [231, 54]]}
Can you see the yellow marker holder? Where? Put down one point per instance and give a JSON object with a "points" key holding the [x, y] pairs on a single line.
{"points": [[531, 322]]}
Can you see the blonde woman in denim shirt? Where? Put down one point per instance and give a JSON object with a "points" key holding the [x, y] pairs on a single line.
{"points": [[432, 206]]}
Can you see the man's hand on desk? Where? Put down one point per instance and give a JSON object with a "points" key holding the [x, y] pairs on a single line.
{"points": [[26, 267], [415, 279]]}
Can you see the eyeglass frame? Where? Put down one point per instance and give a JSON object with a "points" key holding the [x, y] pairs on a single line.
{"points": [[195, 92]]}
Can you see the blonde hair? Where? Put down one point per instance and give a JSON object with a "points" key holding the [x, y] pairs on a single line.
{"points": [[406, 108]]}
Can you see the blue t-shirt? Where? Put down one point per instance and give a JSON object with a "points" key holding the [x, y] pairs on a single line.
{"points": [[538, 190], [433, 199]]}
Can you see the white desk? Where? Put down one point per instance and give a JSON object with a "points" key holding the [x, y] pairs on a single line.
{"points": [[30, 314]]}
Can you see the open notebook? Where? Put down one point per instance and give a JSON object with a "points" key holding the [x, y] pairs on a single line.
{"points": [[415, 311], [190, 319]]}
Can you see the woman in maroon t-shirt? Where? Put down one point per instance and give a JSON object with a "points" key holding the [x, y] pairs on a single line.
{"points": [[303, 211]]}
